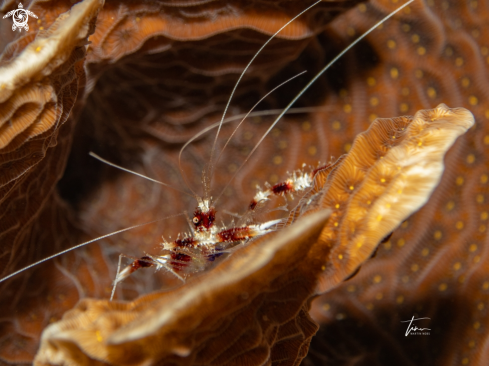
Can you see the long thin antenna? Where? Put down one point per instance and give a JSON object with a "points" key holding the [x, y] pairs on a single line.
{"points": [[247, 114], [313, 80], [92, 154], [244, 71], [268, 112], [79, 246]]}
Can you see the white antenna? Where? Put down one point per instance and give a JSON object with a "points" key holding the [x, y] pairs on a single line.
{"points": [[244, 71], [313, 80], [135, 173], [79, 246]]}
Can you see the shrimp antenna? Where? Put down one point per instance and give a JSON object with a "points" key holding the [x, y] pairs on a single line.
{"points": [[269, 112], [92, 154], [78, 246], [244, 71], [247, 114], [313, 80]]}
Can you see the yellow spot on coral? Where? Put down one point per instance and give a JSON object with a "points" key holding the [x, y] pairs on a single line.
{"points": [[370, 306], [419, 73], [414, 267], [405, 91], [369, 202], [477, 259], [347, 147], [382, 180], [465, 82], [421, 51], [387, 245], [406, 27], [323, 268], [394, 73], [471, 344], [335, 224], [138, 19], [41, 28], [484, 178], [473, 247], [482, 228], [431, 92], [425, 252], [484, 215], [401, 242], [347, 108], [391, 44], [379, 218], [399, 191], [459, 225], [485, 285], [377, 279], [371, 81], [450, 205], [388, 205], [442, 287], [277, 160], [372, 117], [312, 150], [38, 48], [465, 361], [351, 188], [374, 101], [340, 256], [336, 125], [459, 181], [457, 266], [459, 61], [437, 235], [337, 205], [400, 299], [473, 100], [480, 198], [306, 126], [326, 307], [98, 336], [470, 158], [351, 288], [477, 325], [362, 8]]}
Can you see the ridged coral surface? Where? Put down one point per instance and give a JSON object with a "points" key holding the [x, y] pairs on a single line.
{"points": [[156, 73]]}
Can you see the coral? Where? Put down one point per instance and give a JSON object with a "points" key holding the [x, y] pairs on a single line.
{"points": [[244, 310], [145, 95]]}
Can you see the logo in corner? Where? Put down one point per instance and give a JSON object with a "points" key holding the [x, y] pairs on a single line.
{"points": [[20, 17], [413, 329]]}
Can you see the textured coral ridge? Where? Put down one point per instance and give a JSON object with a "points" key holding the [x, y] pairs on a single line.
{"points": [[389, 173], [435, 264], [252, 308], [40, 79], [249, 310]]}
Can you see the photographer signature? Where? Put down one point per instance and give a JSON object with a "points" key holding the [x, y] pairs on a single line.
{"points": [[414, 328]]}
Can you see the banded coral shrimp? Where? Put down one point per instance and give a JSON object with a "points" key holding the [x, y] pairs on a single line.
{"points": [[277, 119]]}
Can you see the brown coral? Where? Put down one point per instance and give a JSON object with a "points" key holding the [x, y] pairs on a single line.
{"points": [[207, 321], [434, 52]]}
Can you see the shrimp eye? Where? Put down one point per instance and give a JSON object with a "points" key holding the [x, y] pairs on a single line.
{"points": [[195, 220]]}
